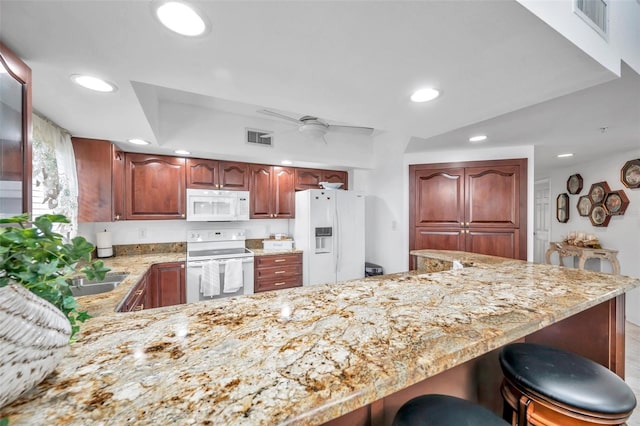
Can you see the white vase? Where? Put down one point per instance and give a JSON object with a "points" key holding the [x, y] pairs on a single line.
{"points": [[34, 336]]}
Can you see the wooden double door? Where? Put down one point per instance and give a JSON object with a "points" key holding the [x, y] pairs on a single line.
{"points": [[479, 207]]}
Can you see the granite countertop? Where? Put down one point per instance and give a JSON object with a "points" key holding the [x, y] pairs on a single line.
{"points": [[136, 266], [263, 252], [304, 355]]}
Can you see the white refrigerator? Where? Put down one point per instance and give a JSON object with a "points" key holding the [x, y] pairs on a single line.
{"points": [[329, 229]]}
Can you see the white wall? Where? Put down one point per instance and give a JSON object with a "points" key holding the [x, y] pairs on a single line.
{"points": [[624, 36], [386, 205], [623, 232]]}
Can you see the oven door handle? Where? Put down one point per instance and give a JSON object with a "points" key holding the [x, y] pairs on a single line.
{"points": [[202, 262]]}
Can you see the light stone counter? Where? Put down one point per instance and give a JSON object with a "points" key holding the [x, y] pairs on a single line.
{"points": [[136, 266], [301, 356], [263, 252]]}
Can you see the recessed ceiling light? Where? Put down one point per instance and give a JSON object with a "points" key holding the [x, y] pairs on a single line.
{"points": [[478, 138], [181, 18], [181, 152], [137, 141], [286, 162], [568, 154], [93, 83], [425, 95]]}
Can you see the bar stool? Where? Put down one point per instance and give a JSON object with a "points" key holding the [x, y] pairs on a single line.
{"points": [[444, 410], [551, 387]]}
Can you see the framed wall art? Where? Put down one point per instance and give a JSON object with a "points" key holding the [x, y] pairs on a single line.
{"points": [[599, 216], [562, 208], [598, 191], [630, 174], [616, 203], [574, 184], [584, 206]]}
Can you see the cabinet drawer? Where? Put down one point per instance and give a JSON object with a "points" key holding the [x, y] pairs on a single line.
{"points": [[278, 283], [280, 271], [278, 260], [136, 299]]}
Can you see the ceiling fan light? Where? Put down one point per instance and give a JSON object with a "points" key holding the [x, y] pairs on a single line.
{"points": [[313, 129], [425, 95]]}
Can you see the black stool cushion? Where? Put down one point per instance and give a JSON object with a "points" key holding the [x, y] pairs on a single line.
{"points": [[567, 378], [443, 410]]}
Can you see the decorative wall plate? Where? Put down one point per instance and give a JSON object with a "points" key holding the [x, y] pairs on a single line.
{"points": [[562, 208], [616, 203], [630, 174], [598, 191], [599, 216], [574, 184], [584, 206]]}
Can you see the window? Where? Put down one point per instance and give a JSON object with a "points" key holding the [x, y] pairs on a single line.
{"points": [[54, 179]]}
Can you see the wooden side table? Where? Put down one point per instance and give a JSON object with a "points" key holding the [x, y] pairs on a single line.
{"points": [[583, 253]]}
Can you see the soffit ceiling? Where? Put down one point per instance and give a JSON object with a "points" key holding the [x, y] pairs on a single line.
{"points": [[349, 62]]}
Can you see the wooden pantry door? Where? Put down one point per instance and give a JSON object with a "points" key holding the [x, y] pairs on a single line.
{"points": [[478, 207]]}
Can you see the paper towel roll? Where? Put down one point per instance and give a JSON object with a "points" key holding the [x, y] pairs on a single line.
{"points": [[103, 239], [104, 244]]}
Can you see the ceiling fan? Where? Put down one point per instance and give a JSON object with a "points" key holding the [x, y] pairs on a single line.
{"points": [[313, 126]]}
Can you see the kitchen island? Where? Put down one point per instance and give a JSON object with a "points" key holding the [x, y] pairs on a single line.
{"points": [[346, 353]]}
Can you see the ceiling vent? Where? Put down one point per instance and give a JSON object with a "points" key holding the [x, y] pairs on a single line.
{"points": [[259, 137], [595, 13]]}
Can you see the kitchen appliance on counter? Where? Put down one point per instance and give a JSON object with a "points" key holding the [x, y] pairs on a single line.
{"points": [[329, 229], [216, 206], [218, 264]]}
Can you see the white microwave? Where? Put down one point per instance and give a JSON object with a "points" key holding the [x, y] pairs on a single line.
{"points": [[217, 206]]}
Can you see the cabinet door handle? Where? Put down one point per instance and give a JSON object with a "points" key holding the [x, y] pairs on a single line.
{"points": [[466, 230], [182, 266], [280, 260], [182, 215], [280, 272], [467, 224], [280, 283], [139, 307], [139, 292], [461, 223]]}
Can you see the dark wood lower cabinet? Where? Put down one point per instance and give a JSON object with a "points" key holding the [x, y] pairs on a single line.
{"points": [[162, 285], [275, 272], [139, 298], [168, 284]]}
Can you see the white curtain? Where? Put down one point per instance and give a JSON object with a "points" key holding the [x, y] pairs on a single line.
{"points": [[55, 182]]}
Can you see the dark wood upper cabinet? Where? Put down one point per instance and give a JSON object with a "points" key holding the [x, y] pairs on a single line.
{"points": [[272, 192], [311, 178], [214, 174], [15, 134], [154, 187], [284, 200], [478, 207], [100, 168]]}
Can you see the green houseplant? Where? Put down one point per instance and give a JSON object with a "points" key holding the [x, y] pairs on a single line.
{"points": [[38, 258]]}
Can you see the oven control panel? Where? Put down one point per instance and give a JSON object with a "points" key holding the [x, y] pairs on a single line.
{"points": [[207, 235]]}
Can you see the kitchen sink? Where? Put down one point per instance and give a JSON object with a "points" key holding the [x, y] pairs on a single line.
{"points": [[83, 287]]}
